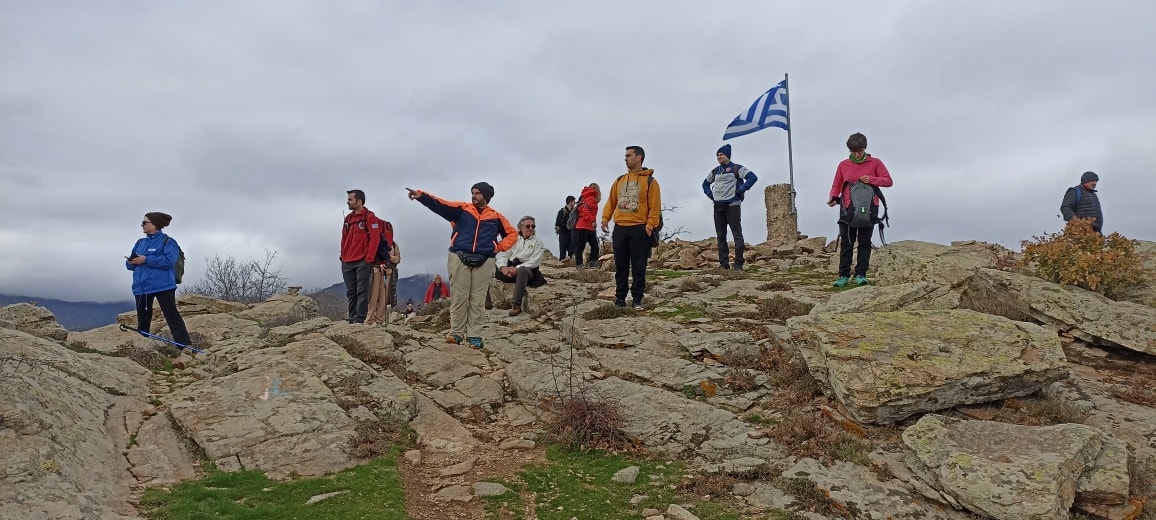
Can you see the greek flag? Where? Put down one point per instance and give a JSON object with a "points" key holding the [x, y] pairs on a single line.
{"points": [[767, 111]]}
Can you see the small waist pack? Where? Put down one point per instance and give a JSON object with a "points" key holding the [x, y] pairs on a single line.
{"points": [[471, 259]]}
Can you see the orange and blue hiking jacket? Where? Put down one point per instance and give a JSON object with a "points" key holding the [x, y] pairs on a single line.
{"points": [[473, 232]]}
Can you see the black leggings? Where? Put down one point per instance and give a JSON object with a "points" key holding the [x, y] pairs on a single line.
{"points": [[168, 301]]}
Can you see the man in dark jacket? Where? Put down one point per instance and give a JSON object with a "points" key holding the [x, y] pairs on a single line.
{"points": [[561, 229], [726, 185], [1082, 201]]}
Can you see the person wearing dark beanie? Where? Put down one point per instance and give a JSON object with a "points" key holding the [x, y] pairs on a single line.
{"points": [[1083, 202], [153, 262], [474, 242], [727, 185]]}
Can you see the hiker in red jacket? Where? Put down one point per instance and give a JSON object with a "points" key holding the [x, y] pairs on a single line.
{"points": [[359, 238], [583, 232], [436, 290]]}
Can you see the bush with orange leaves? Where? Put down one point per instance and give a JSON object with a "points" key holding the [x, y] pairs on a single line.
{"points": [[1082, 257]]}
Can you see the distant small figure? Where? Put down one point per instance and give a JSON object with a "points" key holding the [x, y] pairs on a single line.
{"points": [[436, 290], [1082, 201], [153, 264], [409, 310]]}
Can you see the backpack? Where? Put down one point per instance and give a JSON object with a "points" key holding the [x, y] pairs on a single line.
{"points": [[179, 268], [572, 218], [863, 213], [395, 254], [385, 244], [1078, 191]]}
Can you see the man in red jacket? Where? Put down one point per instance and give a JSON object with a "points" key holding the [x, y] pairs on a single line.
{"points": [[859, 167], [359, 239]]}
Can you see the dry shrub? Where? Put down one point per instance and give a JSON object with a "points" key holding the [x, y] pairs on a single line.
{"points": [[807, 495], [360, 351], [712, 484], [587, 275], [741, 380], [607, 311], [1142, 395], [376, 437], [779, 308], [988, 299], [726, 274], [150, 358], [200, 341], [1003, 258], [349, 395], [1082, 257], [1041, 409], [331, 304], [692, 284], [774, 285], [812, 434], [789, 375], [584, 419]]}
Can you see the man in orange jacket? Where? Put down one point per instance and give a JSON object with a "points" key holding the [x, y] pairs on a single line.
{"points": [[473, 245]]}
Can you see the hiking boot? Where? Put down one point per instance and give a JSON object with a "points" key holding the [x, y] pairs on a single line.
{"points": [[489, 303], [515, 309], [475, 343], [637, 305], [725, 267], [738, 267], [620, 303], [579, 267], [594, 264], [454, 339], [841, 282], [860, 280]]}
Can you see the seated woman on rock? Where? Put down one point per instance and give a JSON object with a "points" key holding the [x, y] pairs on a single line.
{"points": [[519, 264]]}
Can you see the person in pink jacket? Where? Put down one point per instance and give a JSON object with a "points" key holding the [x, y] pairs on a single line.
{"points": [[859, 167]]}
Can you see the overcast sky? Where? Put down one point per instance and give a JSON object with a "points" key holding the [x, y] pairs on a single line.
{"points": [[248, 121]]}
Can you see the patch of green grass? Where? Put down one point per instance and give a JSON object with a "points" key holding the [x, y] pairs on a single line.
{"points": [[375, 492], [755, 418], [82, 347], [665, 274], [507, 506], [681, 311], [577, 484]]}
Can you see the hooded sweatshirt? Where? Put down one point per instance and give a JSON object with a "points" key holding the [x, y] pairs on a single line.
{"points": [[634, 199]]}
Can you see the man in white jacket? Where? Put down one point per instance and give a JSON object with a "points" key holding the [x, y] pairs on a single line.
{"points": [[519, 264]]}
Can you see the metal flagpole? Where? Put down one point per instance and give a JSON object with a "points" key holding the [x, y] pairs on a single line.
{"points": [[790, 153]]}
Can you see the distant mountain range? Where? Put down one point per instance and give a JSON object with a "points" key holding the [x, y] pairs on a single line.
{"points": [[78, 316]]}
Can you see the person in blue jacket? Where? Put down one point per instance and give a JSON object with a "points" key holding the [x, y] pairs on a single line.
{"points": [[726, 185], [153, 264]]}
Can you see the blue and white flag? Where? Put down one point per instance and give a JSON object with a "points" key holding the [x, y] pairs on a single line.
{"points": [[767, 111]]}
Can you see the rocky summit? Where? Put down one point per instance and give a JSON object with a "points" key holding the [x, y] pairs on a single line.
{"points": [[949, 388]]}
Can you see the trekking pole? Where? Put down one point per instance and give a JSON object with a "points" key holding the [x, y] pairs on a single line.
{"points": [[162, 338]]}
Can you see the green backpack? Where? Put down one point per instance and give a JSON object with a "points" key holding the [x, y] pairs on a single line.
{"points": [[180, 266]]}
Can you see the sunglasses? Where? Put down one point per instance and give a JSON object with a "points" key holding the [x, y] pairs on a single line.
{"points": [[143, 222], [529, 226]]}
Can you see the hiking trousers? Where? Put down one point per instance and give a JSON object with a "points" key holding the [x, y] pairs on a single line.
{"points": [[357, 276], [564, 243], [521, 280], [631, 251], [168, 302], [468, 286], [378, 299], [582, 237], [849, 237], [728, 215]]}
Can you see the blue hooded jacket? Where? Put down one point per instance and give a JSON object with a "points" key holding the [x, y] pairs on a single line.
{"points": [[158, 273]]}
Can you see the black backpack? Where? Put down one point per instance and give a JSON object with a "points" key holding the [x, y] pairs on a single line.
{"points": [[862, 211], [572, 217]]}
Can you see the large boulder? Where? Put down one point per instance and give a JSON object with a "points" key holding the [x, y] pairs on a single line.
{"points": [[886, 366], [914, 261], [62, 429], [282, 309], [912, 296], [1013, 472], [1081, 313], [34, 320]]}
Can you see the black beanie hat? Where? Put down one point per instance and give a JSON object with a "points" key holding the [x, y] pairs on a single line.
{"points": [[1089, 177], [485, 188], [725, 150]]}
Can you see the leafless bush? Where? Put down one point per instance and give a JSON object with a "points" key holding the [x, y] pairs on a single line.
{"points": [[244, 281], [691, 284], [146, 357], [376, 437], [778, 308], [607, 311], [741, 380], [583, 419], [330, 304], [774, 285]]}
